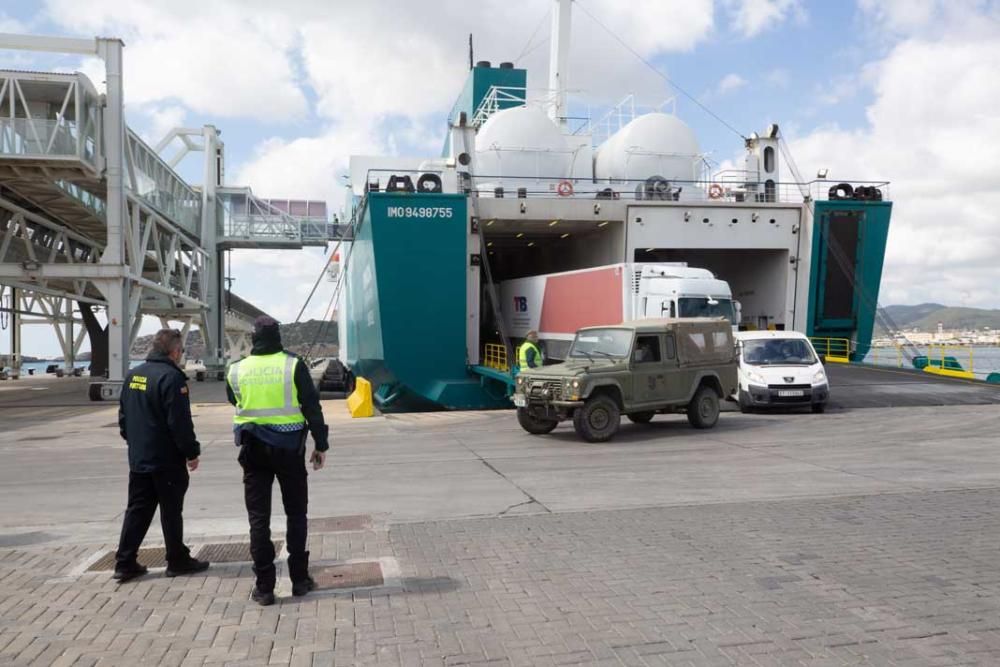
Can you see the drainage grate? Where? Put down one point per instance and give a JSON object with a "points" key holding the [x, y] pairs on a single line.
{"points": [[348, 575], [230, 552], [151, 557], [336, 524]]}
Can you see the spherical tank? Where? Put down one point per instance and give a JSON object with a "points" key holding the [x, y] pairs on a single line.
{"points": [[522, 142], [654, 144]]}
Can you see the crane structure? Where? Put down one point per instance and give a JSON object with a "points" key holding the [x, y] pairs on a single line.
{"points": [[94, 220]]}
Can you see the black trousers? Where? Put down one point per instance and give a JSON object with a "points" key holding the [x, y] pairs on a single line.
{"points": [[261, 464], [146, 491]]}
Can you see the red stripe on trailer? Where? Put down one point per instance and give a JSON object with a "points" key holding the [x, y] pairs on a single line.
{"points": [[579, 300]]}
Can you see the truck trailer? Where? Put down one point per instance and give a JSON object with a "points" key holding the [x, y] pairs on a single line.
{"points": [[557, 305]]}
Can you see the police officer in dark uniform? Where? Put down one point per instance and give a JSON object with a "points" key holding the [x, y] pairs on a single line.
{"points": [[277, 406], [154, 416]]}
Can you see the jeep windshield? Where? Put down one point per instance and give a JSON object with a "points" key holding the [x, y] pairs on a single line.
{"points": [[778, 352], [700, 307], [594, 343]]}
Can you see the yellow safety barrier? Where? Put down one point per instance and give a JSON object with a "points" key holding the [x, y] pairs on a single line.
{"points": [[495, 357], [941, 360], [836, 350], [360, 401]]}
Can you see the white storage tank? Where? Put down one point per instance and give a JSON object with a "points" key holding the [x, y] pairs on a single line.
{"points": [[521, 144], [652, 145]]}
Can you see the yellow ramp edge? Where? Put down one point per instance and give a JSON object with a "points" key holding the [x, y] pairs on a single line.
{"points": [[359, 403], [949, 372]]}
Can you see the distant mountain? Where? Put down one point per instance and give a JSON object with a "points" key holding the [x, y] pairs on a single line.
{"points": [[299, 337], [926, 316]]}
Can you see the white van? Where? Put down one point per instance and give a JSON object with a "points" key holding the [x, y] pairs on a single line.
{"points": [[779, 369]]}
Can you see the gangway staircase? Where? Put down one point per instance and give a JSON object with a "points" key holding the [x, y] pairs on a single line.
{"points": [[92, 217]]}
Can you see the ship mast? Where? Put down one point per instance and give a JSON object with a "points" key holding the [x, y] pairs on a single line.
{"points": [[559, 58]]}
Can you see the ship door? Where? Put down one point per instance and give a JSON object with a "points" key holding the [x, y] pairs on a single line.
{"points": [[837, 300]]}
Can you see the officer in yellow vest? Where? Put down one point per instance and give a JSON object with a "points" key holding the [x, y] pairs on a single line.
{"points": [[529, 355], [276, 406]]}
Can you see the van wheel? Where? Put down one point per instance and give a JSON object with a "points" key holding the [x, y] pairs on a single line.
{"points": [[598, 420], [641, 417], [535, 425], [703, 410], [819, 408], [746, 407]]}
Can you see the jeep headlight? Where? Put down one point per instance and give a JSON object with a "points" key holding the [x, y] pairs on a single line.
{"points": [[575, 384], [520, 380], [819, 377]]}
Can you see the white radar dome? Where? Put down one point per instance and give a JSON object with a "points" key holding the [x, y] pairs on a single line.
{"points": [[654, 144], [522, 142]]}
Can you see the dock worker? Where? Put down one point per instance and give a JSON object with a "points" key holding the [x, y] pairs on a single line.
{"points": [[277, 405], [529, 355], [154, 417]]}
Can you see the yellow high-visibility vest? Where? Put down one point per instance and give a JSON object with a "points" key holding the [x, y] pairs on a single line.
{"points": [[522, 354], [264, 387]]}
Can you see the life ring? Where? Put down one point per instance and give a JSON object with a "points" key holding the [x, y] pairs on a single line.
{"points": [[715, 191], [564, 189]]}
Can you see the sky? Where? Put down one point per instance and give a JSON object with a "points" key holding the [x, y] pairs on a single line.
{"points": [[905, 91]]}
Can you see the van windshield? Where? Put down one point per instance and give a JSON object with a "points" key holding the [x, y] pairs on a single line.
{"points": [[700, 307], [778, 352], [601, 343]]}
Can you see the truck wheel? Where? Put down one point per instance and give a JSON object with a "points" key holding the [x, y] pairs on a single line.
{"points": [[703, 410], [641, 417], [598, 420], [535, 425]]}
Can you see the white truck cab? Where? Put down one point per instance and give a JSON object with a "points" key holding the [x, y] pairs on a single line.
{"points": [[779, 369], [678, 290]]}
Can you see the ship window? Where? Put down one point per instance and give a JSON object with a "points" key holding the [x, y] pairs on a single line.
{"points": [[769, 191], [769, 159]]}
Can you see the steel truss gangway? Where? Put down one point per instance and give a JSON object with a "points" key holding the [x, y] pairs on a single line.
{"points": [[92, 215]]}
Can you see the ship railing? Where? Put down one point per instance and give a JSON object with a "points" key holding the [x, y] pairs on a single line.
{"points": [[495, 357], [949, 360], [654, 188], [835, 350]]}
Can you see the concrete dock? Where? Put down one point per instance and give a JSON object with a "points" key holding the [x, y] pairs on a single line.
{"points": [[867, 535]]}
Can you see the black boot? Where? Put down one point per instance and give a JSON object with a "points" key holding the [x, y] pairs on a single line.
{"points": [[125, 573], [262, 597], [190, 566], [298, 570]]}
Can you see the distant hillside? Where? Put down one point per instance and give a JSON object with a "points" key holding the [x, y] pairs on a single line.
{"points": [[296, 338], [925, 317]]}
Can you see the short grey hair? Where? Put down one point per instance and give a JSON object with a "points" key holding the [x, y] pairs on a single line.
{"points": [[166, 341]]}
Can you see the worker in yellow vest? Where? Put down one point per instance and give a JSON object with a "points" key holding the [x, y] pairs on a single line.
{"points": [[529, 355], [277, 405]]}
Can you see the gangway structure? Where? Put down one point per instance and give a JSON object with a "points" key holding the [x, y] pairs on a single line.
{"points": [[92, 217]]}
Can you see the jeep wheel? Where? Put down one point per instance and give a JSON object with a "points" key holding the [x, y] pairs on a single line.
{"points": [[598, 420], [641, 417], [703, 410], [535, 425]]}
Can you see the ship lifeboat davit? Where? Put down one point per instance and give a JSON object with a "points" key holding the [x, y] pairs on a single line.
{"points": [[521, 144], [653, 146]]}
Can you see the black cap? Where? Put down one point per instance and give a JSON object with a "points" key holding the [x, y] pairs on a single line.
{"points": [[266, 329]]}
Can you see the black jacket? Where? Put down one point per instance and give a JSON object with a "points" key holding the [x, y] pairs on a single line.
{"points": [[308, 396], [154, 416]]}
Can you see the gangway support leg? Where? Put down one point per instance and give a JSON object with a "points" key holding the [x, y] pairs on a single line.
{"points": [[15, 333], [213, 333]]}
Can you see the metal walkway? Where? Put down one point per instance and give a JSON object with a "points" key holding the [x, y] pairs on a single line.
{"points": [[93, 217]]}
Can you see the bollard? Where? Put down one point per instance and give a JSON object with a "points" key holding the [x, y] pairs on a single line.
{"points": [[359, 403]]}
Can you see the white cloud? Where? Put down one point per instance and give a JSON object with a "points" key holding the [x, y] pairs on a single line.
{"points": [[729, 83], [931, 133], [214, 58], [752, 17], [10, 24]]}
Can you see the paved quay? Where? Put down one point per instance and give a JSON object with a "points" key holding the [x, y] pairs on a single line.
{"points": [[863, 536]]}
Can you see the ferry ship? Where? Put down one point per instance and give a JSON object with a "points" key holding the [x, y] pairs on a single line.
{"points": [[522, 189]]}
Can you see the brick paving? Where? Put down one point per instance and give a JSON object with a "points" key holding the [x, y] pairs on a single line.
{"points": [[889, 579]]}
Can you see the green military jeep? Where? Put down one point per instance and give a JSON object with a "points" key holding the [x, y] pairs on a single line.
{"points": [[638, 369]]}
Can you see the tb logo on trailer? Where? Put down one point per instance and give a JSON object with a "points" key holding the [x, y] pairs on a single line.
{"points": [[520, 304]]}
